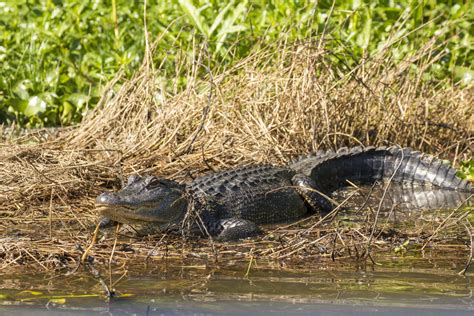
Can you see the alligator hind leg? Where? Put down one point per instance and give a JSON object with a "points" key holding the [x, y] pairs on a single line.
{"points": [[308, 189], [233, 229]]}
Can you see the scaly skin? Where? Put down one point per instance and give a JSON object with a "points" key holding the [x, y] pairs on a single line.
{"points": [[331, 170], [231, 204]]}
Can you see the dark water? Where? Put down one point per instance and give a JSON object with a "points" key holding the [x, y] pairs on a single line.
{"points": [[395, 286]]}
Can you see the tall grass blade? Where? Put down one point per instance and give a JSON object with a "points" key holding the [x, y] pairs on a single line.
{"points": [[229, 26], [195, 15], [220, 17]]}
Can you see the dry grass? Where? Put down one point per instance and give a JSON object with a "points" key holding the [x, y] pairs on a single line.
{"points": [[277, 103]]}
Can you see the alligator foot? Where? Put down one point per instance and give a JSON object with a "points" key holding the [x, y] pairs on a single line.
{"points": [[105, 222], [233, 229], [308, 189]]}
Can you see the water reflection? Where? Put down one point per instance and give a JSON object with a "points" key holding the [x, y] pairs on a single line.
{"points": [[171, 289], [404, 197]]}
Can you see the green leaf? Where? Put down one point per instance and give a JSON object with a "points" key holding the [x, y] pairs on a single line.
{"points": [[220, 17], [364, 37], [463, 75], [68, 112], [195, 15], [35, 105], [466, 170], [19, 105], [79, 100], [228, 25], [21, 89]]}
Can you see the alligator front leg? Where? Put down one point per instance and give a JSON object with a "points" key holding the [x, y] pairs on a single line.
{"points": [[232, 229], [308, 189]]}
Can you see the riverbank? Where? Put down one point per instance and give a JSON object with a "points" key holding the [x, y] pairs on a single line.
{"points": [[268, 108]]}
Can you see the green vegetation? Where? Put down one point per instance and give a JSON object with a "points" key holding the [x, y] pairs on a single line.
{"points": [[466, 170], [56, 56]]}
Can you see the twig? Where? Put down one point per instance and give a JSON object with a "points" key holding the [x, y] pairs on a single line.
{"points": [[93, 241], [441, 225], [117, 227], [250, 264], [367, 249], [51, 214], [471, 237], [96, 274]]}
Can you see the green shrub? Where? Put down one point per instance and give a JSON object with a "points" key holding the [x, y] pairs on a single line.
{"points": [[56, 55]]}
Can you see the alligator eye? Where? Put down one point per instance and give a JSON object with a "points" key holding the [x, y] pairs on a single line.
{"points": [[133, 178], [154, 181]]}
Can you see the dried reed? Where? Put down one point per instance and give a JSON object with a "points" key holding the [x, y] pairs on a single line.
{"points": [[279, 102]]}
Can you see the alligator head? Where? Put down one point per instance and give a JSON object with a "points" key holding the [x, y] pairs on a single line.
{"points": [[144, 200]]}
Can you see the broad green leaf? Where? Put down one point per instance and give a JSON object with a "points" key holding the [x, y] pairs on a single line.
{"points": [[466, 170], [220, 17], [229, 23], [194, 14], [35, 105], [463, 74], [19, 105], [21, 89], [364, 36], [79, 100], [68, 112], [355, 4], [3, 53]]}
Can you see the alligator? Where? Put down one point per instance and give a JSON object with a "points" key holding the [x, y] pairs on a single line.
{"points": [[231, 204], [401, 198]]}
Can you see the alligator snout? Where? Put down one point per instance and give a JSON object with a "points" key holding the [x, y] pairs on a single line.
{"points": [[107, 198]]}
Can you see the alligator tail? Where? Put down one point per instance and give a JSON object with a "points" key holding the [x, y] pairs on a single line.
{"points": [[333, 170]]}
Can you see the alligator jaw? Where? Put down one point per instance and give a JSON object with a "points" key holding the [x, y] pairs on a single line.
{"points": [[126, 214], [144, 199]]}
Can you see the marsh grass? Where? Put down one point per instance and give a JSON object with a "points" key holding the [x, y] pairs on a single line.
{"points": [[280, 101]]}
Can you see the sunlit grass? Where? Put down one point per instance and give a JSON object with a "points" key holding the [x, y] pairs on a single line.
{"points": [[57, 56]]}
